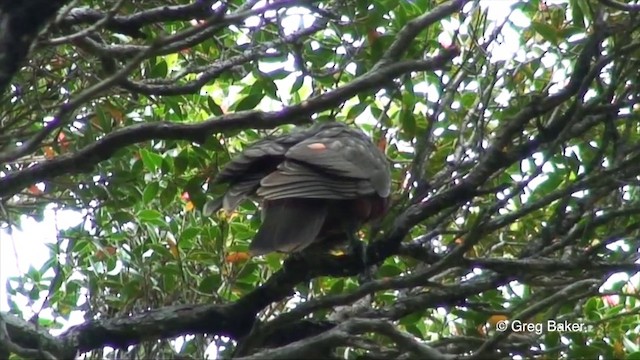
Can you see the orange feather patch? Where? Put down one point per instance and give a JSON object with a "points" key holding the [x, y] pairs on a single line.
{"points": [[317, 146]]}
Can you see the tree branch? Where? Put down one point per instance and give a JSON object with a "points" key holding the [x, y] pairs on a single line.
{"points": [[621, 6], [492, 160], [23, 338], [103, 149], [210, 72], [20, 23], [67, 109], [236, 319], [340, 335], [131, 24], [414, 27], [532, 310]]}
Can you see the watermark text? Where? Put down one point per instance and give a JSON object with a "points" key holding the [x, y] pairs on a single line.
{"points": [[519, 326]]}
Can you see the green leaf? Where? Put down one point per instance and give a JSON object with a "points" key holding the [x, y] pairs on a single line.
{"points": [[151, 161], [173, 108], [34, 294], [210, 284], [270, 88], [168, 195], [189, 233], [545, 30], [181, 162], [121, 217], [356, 110], [408, 123], [148, 215], [278, 74], [166, 166], [468, 99], [297, 84], [213, 144], [337, 287], [388, 270], [196, 194], [160, 69], [150, 192], [249, 102], [414, 330], [34, 274], [213, 107]]}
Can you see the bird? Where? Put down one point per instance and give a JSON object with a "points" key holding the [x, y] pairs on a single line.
{"points": [[316, 185]]}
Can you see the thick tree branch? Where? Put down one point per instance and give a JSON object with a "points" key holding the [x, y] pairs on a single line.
{"points": [[217, 21], [87, 31], [235, 320], [22, 337], [132, 24]]}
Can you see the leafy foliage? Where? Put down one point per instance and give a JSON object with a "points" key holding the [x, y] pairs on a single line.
{"points": [[513, 133]]}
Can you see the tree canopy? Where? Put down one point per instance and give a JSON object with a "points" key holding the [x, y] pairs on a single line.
{"points": [[512, 130]]}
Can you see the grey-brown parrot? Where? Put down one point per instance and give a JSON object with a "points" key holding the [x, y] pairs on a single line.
{"points": [[316, 185]]}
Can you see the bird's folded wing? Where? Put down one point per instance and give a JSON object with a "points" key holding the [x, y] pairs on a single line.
{"points": [[345, 156], [293, 179], [240, 191], [252, 160]]}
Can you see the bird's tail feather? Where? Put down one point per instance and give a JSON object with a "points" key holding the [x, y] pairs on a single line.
{"points": [[289, 225]]}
